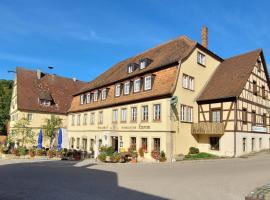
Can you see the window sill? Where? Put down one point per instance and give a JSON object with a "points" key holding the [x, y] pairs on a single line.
{"points": [[203, 65]]}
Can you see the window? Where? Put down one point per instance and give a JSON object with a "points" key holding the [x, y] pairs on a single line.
{"points": [[85, 119], [263, 92], [29, 117], [82, 99], [244, 116], [252, 144], [123, 115], [117, 90], [156, 144], [130, 69], [142, 64], [103, 94], [260, 143], [88, 98], [115, 116], [72, 142], [145, 113], [244, 144], [72, 120], [188, 82], [137, 85], [78, 120], [133, 142], [84, 144], [92, 118], [95, 95], [264, 119], [144, 144], [126, 87], [134, 114], [201, 58], [214, 143], [253, 117], [255, 88], [216, 115], [44, 102], [186, 113], [100, 117], [147, 83], [78, 143], [92, 143], [157, 112]]}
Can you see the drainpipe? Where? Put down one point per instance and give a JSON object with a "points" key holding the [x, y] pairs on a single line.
{"points": [[235, 126]]}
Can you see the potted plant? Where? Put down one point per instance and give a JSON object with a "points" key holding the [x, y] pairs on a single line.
{"points": [[31, 152], [162, 157], [141, 152], [133, 152], [115, 157], [155, 154], [50, 153], [15, 152]]}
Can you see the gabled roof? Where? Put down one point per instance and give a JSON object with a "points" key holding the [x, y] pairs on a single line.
{"points": [[162, 55], [230, 77], [50, 87]]}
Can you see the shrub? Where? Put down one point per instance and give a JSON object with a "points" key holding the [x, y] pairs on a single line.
{"points": [[109, 151], [40, 152], [31, 152], [133, 152], [200, 156], [22, 151], [162, 157], [50, 153], [193, 150], [15, 152], [102, 157], [115, 157], [141, 152], [155, 154]]}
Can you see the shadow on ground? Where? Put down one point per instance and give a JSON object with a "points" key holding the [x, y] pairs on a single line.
{"points": [[61, 181]]}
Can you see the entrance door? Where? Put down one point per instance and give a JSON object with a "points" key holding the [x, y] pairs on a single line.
{"points": [[115, 143]]}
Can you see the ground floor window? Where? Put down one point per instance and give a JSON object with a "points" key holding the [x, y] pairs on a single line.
{"points": [[92, 142], [244, 144], [260, 143], [84, 144], [252, 144], [133, 142], [214, 143], [156, 144], [144, 144], [78, 143], [72, 142]]}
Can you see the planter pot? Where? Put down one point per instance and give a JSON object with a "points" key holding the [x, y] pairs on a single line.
{"points": [[133, 160], [108, 159]]}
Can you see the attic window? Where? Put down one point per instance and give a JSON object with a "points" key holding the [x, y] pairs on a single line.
{"points": [[82, 99], [45, 98], [45, 102], [144, 62], [130, 69]]}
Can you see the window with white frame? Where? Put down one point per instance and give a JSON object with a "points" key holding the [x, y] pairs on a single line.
{"points": [[82, 99], [29, 117], [96, 95], [126, 87], [188, 82], [145, 113], [201, 58], [123, 115], [133, 114], [142, 64], [137, 85], [88, 98], [157, 112], [72, 120], [147, 82], [103, 94], [92, 118], [100, 117], [78, 120], [85, 119], [186, 113], [130, 69], [115, 116], [117, 90]]}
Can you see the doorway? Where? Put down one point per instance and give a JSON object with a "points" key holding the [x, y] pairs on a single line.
{"points": [[115, 143]]}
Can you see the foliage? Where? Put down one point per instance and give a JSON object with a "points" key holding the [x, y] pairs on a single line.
{"points": [[15, 152], [51, 126], [40, 152], [22, 151], [162, 157], [22, 132], [200, 156], [109, 151], [32, 152], [115, 157], [133, 152], [141, 152], [5, 100], [155, 154], [194, 150], [60, 153], [102, 157], [50, 153]]}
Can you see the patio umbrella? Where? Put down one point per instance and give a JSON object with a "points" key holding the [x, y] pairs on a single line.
{"points": [[40, 139], [59, 145]]}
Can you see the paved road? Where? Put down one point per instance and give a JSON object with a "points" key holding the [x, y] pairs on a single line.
{"points": [[61, 180]]}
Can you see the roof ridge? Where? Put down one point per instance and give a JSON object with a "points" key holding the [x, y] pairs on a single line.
{"points": [[259, 50]]}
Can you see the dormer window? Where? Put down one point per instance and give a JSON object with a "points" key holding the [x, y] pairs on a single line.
{"points": [[147, 83], [45, 102], [82, 98], [88, 98], [126, 88], [117, 90], [104, 94], [45, 98], [95, 95], [145, 62], [130, 69]]}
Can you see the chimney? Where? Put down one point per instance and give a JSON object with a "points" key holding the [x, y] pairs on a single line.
{"points": [[38, 74], [205, 36]]}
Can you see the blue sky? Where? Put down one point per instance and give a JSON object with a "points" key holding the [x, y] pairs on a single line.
{"points": [[84, 38]]}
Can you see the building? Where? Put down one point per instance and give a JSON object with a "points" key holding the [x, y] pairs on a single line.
{"points": [[37, 95]]}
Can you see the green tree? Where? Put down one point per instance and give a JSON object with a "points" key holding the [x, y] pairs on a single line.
{"points": [[22, 133], [5, 99], [51, 127]]}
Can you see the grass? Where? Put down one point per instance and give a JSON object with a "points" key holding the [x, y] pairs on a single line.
{"points": [[199, 156]]}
